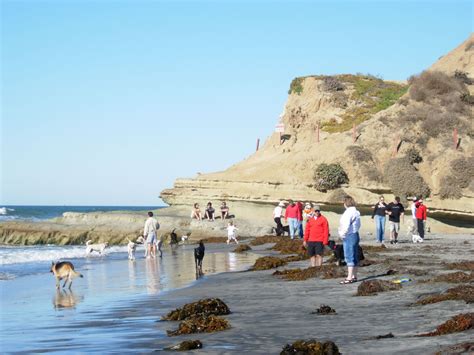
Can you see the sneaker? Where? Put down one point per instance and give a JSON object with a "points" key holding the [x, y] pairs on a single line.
{"points": [[391, 242], [395, 241]]}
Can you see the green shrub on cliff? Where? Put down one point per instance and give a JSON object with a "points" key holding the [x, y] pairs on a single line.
{"points": [[404, 180], [296, 86], [329, 176]]}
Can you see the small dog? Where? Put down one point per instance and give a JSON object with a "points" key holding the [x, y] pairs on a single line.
{"points": [[131, 248], [64, 270], [198, 256], [338, 251], [173, 237], [96, 247], [416, 239]]}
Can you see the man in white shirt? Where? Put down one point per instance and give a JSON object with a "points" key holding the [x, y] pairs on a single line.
{"points": [[149, 232]]}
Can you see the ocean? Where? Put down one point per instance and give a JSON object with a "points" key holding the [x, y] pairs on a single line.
{"points": [[39, 213]]}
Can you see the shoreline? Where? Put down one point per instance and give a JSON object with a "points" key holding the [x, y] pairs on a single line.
{"points": [[268, 312]]}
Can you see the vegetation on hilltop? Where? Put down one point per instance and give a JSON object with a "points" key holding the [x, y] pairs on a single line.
{"points": [[329, 177]]}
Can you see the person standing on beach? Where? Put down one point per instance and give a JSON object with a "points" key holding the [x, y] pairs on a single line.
{"points": [[308, 212], [379, 213], [349, 227], [414, 229], [277, 214], [231, 233], [149, 231], [316, 236], [291, 217], [394, 210], [421, 213], [300, 219]]}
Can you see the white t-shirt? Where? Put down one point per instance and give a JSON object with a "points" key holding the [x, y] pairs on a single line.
{"points": [[413, 210], [277, 212], [231, 231], [151, 225]]}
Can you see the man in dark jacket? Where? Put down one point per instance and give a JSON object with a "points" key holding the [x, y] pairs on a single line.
{"points": [[395, 210]]}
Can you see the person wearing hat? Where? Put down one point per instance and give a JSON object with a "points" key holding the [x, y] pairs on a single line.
{"points": [[277, 214], [307, 213], [316, 236]]}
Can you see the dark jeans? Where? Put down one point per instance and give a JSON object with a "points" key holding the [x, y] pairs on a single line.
{"points": [[421, 228]]}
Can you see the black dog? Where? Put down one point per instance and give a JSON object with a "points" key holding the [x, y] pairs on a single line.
{"points": [[338, 250], [198, 256], [173, 237]]}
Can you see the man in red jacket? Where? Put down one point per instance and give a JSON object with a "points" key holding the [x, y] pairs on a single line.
{"points": [[421, 218], [316, 236]]}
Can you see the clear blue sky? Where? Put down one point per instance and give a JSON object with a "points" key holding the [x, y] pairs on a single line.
{"points": [[107, 102]]}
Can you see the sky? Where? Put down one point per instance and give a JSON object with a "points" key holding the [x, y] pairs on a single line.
{"points": [[108, 102]]}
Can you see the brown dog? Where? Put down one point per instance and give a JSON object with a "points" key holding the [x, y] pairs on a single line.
{"points": [[64, 270]]}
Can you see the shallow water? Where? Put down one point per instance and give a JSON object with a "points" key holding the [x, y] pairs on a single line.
{"points": [[37, 318]]}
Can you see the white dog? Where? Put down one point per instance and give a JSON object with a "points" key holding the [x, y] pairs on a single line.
{"points": [[131, 247], [416, 239], [95, 247]]}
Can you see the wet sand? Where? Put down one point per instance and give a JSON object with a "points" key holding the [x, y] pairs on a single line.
{"points": [[269, 312]]}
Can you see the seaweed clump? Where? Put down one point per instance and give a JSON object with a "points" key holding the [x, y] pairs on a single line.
{"points": [[200, 324], [289, 246], [372, 287], [457, 324], [324, 309], [186, 345], [460, 293], [461, 265], [265, 239], [454, 277], [204, 307], [325, 272], [268, 262], [241, 248], [310, 347]]}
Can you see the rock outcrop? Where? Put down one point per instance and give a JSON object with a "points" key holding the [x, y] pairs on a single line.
{"points": [[392, 122]]}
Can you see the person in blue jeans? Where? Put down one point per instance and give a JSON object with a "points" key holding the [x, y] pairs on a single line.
{"points": [[348, 230], [291, 217], [379, 212]]}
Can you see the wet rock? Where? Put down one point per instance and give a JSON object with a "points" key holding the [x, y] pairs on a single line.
{"points": [[268, 262], [459, 323], [310, 347], [208, 306], [385, 336], [323, 309], [200, 324], [241, 248], [461, 265], [372, 287], [459, 293], [186, 345], [265, 239], [455, 277]]}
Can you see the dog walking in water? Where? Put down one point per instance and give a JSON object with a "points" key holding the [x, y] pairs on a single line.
{"points": [[100, 248], [64, 270], [198, 256]]}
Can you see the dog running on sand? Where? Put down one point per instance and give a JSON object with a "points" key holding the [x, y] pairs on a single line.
{"points": [[198, 256], [64, 270], [96, 247]]}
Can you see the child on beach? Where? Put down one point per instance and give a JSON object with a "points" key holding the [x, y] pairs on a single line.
{"points": [[231, 233]]}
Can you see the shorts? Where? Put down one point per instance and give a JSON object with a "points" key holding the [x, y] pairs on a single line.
{"points": [[315, 248], [394, 226], [151, 238]]}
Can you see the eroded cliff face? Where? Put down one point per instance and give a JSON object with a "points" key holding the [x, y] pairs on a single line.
{"points": [[388, 123]]}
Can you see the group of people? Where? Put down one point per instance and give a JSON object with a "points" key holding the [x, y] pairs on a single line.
{"points": [[209, 212], [396, 213], [309, 223]]}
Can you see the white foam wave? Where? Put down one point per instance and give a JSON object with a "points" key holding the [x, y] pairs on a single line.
{"points": [[9, 256], [3, 211]]}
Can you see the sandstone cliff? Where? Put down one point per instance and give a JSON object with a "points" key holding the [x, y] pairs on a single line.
{"points": [[392, 121]]}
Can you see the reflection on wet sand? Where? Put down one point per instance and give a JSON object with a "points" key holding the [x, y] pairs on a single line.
{"points": [[66, 299], [152, 271]]}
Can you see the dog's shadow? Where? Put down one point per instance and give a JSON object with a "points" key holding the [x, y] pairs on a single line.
{"points": [[66, 299]]}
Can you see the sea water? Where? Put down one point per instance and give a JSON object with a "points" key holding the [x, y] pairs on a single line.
{"points": [[35, 317]]}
